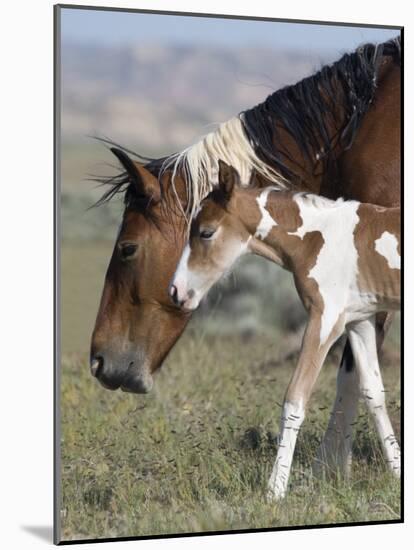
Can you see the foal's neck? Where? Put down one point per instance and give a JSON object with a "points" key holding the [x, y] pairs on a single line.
{"points": [[277, 231]]}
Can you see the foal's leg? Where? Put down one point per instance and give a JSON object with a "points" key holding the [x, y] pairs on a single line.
{"points": [[335, 452], [383, 321], [311, 359], [363, 342]]}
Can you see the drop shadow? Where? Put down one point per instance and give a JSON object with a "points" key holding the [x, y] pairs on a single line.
{"points": [[43, 532]]}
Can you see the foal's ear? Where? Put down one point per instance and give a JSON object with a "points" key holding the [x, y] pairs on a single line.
{"points": [[146, 185], [228, 178]]}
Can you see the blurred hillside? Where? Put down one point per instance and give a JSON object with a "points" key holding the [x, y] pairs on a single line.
{"points": [[161, 99]]}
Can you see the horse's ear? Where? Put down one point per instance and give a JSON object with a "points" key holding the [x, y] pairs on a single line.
{"points": [[147, 185], [228, 178]]}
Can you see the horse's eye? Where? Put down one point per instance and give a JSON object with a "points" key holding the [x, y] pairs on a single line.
{"points": [[128, 250], [207, 234]]}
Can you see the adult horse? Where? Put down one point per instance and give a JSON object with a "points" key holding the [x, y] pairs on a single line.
{"points": [[336, 133]]}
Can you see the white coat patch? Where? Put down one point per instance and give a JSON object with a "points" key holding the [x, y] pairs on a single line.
{"points": [[387, 246], [336, 267], [267, 222]]}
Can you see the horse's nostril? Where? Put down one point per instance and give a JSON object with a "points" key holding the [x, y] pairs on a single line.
{"points": [[174, 294], [176, 298], [96, 365]]}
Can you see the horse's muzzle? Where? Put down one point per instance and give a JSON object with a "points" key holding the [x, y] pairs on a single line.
{"points": [[125, 374]]}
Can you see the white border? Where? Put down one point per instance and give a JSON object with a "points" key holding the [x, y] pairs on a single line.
{"points": [[26, 269]]}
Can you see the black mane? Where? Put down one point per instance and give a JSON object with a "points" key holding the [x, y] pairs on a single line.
{"points": [[308, 108]]}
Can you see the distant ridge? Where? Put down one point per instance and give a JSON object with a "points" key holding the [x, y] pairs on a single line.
{"points": [[164, 98]]}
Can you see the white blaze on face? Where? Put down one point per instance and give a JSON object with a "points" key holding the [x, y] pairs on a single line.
{"points": [[267, 222], [387, 246], [180, 278], [336, 267]]}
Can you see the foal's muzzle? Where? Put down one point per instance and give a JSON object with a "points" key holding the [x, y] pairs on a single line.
{"points": [[175, 297], [180, 297]]}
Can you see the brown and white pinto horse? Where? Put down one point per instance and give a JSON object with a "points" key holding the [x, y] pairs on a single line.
{"points": [[336, 133], [345, 259]]}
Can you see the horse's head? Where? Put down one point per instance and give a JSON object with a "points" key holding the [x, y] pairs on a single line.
{"points": [[137, 323], [217, 238]]}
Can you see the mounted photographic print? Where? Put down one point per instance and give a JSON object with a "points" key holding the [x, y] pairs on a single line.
{"points": [[228, 259]]}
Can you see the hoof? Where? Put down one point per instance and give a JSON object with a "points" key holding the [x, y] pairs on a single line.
{"points": [[275, 495], [396, 471], [318, 469]]}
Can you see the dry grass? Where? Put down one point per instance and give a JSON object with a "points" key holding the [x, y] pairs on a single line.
{"points": [[195, 455]]}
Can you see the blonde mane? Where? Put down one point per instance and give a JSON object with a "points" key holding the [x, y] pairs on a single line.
{"points": [[198, 164]]}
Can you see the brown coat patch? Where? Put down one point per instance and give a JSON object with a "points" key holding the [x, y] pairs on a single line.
{"points": [[374, 274], [296, 254]]}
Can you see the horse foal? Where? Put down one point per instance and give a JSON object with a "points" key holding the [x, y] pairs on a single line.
{"points": [[345, 259]]}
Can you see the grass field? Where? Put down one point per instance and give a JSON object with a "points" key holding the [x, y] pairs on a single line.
{"points": [[196, 454]]}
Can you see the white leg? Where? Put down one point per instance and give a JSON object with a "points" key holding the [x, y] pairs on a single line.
{"points": [[335, 453], [292, 418], [311, 359], [363, 341]]}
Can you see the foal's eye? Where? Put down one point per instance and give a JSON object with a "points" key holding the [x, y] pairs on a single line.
{"points": [[207, 234], [128, 250]]}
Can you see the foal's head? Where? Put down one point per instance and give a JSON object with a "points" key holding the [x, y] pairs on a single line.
{"points": [[218, 237]]}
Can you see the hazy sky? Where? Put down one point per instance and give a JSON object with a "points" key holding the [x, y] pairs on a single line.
{"points": [[110, 28]]}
